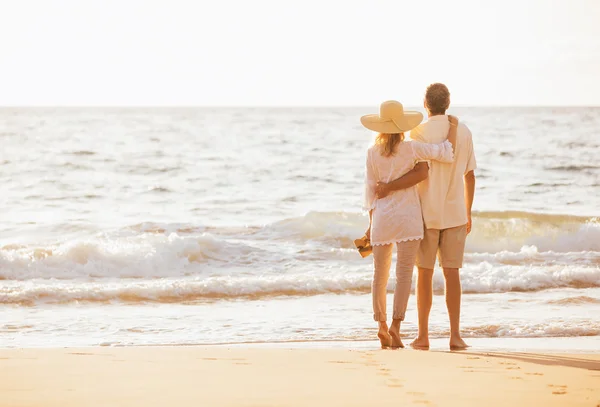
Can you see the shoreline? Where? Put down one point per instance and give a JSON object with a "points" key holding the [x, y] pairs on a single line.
{"points": [[546, 345], [236, 376]]}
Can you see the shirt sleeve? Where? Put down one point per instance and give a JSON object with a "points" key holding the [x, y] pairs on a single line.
{"points": [[370, 183], [438, 152], [471, 162]]}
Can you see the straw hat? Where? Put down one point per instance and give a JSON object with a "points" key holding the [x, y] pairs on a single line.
{"points": [[392, 118]]}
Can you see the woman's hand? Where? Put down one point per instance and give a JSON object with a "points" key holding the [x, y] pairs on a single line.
{"points": [[452, 132]]}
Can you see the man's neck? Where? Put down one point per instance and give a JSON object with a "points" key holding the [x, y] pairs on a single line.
{"points": [[430, 115]]}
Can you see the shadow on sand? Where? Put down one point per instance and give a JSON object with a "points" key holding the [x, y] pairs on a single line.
{"points": [[541, 359]]}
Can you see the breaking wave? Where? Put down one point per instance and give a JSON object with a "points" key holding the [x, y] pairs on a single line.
{"points": [[303, 256]]}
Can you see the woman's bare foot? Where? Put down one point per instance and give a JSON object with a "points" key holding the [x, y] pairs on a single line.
{"points": [[396, 341], [395, 334], [384, 336], [420, 343], [385, 339], [457, 343]]}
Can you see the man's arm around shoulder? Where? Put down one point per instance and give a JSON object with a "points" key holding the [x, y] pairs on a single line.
{"points": [[419, 173]]}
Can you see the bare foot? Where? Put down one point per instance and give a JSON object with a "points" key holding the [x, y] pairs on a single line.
{"points": [[456, 343], [396, 341], [420, 343], [385, 339]]}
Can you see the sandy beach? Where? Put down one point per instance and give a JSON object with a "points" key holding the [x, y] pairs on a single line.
{"points": [[220, 376]]}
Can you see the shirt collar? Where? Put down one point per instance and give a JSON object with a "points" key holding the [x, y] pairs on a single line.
{"points": [[438, 118]]}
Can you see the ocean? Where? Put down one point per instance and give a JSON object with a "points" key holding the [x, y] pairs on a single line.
{"points": [[140, 226]]}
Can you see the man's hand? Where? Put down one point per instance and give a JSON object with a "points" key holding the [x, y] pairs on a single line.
{"points": [[382, 190], [453, 120], [469, 224]]}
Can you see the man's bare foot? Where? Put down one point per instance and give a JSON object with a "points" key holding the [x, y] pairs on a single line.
{"points": [[420, 344], [456, 343], [396, 341]]}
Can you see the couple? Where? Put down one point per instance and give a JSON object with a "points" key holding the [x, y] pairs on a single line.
{"points": [[424, 221]]}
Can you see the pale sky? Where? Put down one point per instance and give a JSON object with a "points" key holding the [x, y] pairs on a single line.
{"points": [[301, 52]]}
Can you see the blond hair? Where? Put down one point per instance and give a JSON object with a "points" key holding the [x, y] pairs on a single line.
{"points": [[388, 142]]}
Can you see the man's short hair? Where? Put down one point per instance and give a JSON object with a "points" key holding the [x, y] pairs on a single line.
{"points": [[437, 98]]}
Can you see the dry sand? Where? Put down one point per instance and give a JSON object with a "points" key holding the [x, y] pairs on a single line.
{"points": [[218, 376]]}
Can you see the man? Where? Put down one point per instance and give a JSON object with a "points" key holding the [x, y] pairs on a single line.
{"points": [[446, 199]]}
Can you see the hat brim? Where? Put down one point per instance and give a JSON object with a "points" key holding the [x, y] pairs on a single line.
{"points": [[407, 122]]}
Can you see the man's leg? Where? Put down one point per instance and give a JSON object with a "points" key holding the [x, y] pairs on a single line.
{"points": [[453, 296], [426, 263], [452, 247]]}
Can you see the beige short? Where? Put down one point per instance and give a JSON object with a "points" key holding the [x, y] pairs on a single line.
{"points": [[447, 244]]}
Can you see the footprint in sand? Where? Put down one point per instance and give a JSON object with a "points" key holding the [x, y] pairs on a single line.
{"points": [[473, 357], [338, 361], [419, 394], [535, 374], [370, 360], [397, 383], [560, 389]]}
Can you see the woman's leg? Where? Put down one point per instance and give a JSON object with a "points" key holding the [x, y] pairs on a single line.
{"points": [[407, 252], [382, 260]]}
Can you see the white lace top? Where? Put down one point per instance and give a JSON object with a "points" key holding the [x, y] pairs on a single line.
{"points": [[397, 217]]}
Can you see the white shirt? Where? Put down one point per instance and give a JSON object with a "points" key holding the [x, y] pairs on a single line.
{"points": [[442, 193], [397, 217]]}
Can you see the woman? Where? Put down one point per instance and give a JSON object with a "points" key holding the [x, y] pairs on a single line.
{"points": [[396, 219]]}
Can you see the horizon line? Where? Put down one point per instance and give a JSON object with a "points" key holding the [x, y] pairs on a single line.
{"points": [[282, 106]]}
